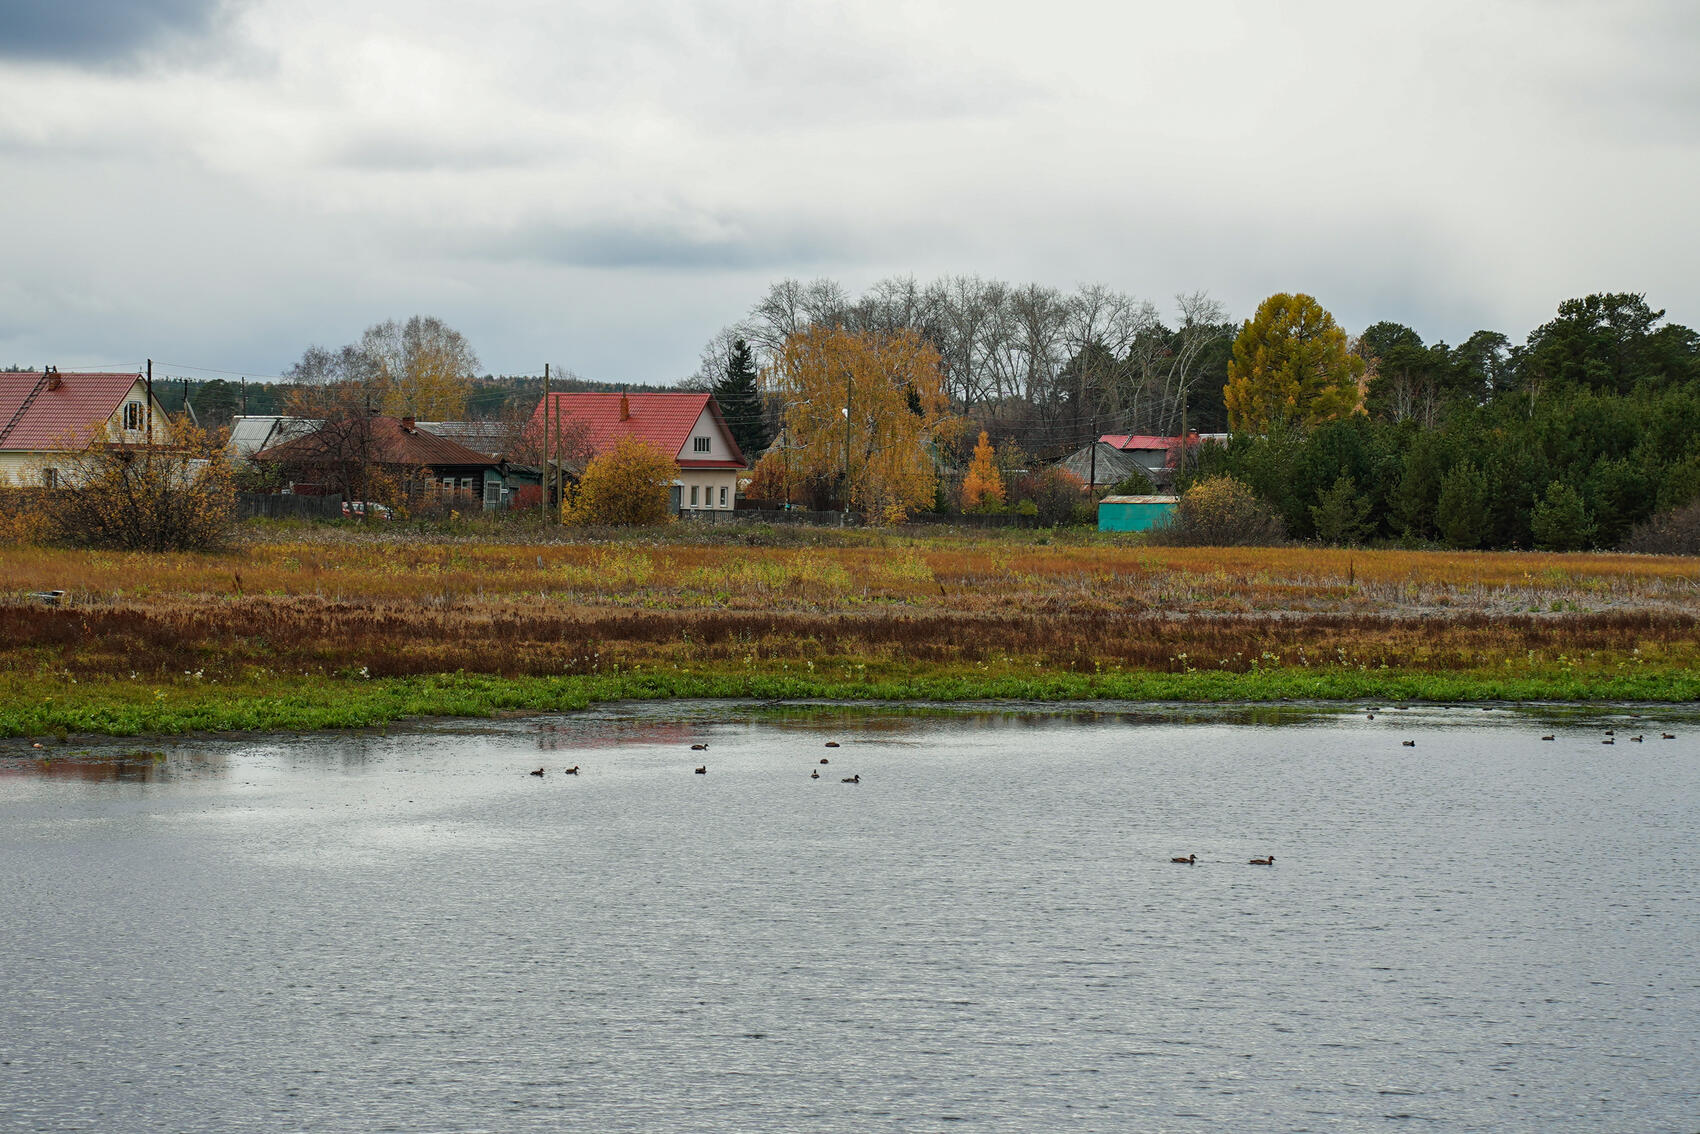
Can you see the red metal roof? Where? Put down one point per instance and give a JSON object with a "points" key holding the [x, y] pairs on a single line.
{"points": [[61, 418], [391, 445], [1149, 443], [662, 419]]}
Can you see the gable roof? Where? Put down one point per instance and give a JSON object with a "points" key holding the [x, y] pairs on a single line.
{"points": [[392, 444], [249, 433], [1111, 466], [664, 420], [36, 418]]}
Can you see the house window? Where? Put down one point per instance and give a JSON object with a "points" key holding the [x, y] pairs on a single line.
{"points": [[723, 496], [701, 444], [693, 496], [50, 478], [132, 415], [492, 493]]}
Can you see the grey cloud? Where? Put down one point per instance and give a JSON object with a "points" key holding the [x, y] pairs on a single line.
{"points": [[660, 245], [401, 153], [97, 31]]}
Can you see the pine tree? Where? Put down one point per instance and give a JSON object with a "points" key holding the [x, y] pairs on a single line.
{"points": [[740, 401]]}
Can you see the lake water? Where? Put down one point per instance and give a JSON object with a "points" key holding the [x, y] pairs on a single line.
{"points": [[408, 932]]}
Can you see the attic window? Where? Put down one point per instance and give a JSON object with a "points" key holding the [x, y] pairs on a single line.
{"points": [[132, 415], [701, 444]]}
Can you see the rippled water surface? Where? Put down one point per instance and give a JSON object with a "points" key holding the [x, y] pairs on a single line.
{"points": [[1483, 931]]}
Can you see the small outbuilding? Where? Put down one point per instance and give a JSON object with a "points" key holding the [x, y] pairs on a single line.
{"points": [[1134, 513]]}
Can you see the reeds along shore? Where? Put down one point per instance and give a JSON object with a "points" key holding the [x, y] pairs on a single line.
{"points": [[396, 603]]}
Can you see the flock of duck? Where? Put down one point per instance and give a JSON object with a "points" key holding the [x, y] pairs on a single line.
{"points": [[1192, 860], [702, 769]]}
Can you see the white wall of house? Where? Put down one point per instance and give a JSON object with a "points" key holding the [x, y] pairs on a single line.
{"points": [[29, 468], [707, 489]]}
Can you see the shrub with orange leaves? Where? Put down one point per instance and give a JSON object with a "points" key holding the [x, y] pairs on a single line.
{"points": [[625, 485], [982, 488]]}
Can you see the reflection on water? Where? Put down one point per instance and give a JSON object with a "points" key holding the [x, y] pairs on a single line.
{"points": [[406, 930]]}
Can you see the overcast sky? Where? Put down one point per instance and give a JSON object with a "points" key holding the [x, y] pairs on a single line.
{"points": [[604, 185]]}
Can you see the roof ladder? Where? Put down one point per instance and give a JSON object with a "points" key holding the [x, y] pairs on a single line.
{"points": [[23, 408]]}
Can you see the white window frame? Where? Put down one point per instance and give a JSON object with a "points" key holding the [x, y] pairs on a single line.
{"points": [[694, 489], [702, 444], [723, 496], [133, 416]]}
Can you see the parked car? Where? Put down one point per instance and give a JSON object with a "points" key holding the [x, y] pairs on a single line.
{"points": [[352, 509]]}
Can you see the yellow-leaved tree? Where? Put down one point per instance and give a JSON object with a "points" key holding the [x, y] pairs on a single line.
{"points": [[982, 488], [627, 484], [113, 494], [861, 410], [1292, 368]]}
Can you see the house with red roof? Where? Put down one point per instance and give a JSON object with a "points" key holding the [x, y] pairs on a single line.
{"points": [[337, 456], [687, 426], [46, 416]]}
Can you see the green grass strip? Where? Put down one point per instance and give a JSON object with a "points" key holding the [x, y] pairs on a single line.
{"points": [[36, 705]]}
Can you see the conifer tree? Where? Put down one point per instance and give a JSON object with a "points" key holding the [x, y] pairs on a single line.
{"points": [[982, 488], [740, 401]]}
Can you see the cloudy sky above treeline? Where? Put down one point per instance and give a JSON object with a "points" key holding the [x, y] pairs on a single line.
{"points": [[604, 185]]}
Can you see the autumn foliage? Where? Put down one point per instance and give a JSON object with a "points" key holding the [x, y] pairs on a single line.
{"points": [[1291, 368], [141, 497], [860, 408], [982, 488], [627, 484]]}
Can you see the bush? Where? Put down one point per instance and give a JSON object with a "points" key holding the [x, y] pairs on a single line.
{"points": [[628, 484], [1054, 492], [1135, 483], [144, 498], [1220, 512], [1676, 532]]}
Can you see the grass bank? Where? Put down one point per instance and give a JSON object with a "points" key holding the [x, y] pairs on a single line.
{"points": [[300, 629], [33, 707]]}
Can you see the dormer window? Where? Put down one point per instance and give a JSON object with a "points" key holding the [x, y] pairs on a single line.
{"points": [[700, 444], [132, 415]]}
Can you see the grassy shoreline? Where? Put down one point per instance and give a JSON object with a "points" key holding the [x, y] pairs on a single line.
{"points": [[34, 707], [301, 630]]}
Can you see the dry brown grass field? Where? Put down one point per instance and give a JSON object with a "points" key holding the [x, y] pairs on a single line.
{"points": [[396, 601]]}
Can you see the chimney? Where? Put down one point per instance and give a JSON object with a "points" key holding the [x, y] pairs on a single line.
{"points": [[52, 378], [625, 408], [407, 425]]}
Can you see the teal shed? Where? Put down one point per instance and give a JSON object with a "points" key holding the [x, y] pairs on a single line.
{"points": [[1134, 513]]}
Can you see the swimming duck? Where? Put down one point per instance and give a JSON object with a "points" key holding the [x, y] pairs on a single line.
{"points": [[1636, 739], [832, 744], [824, 760], [1409, 743], [1270, 861], [538, 772], [703, 771], [699, 748], [572, 771], [1188, 860], [1608, 740], [1546, 738], [815, 775], [1667, 735], [855, 779]]}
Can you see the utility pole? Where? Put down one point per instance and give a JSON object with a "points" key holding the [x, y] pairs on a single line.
{"points": [[150, 404], [847, 392], [543, 480]]}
